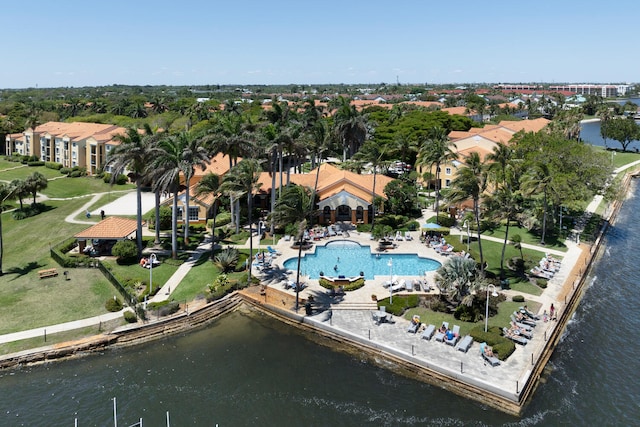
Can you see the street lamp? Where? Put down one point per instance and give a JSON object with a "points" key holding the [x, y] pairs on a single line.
{"points": [[486, 316], [390, 264], [152, 260]]}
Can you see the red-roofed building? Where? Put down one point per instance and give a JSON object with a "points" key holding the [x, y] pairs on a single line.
{"points": [[102, 236]]}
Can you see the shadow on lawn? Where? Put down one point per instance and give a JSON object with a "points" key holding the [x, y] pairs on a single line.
{"points": [[23, 271]]}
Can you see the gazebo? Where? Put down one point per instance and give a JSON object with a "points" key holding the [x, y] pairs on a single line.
{"points": [[100, 238]]}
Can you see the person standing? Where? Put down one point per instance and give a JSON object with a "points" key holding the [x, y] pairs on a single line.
{"points": [[102, 215], [552, 312]]}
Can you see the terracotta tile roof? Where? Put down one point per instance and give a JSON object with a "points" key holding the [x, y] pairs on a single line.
{"points": [[462, 111], [333, 180], [113, 227], [219, 165], [78, 131], [534, 125], [483, 152]]}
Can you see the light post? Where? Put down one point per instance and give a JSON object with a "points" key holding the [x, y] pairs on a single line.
{"points": [[486, 316], [390, 264], [152, 260]]}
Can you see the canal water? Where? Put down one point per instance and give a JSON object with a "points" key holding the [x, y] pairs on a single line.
{"points": [[590, 133], [250, 370]]}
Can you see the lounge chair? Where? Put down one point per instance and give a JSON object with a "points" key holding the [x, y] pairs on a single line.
{"points": [[287, 238], [465, 344], [273, 251], [407, 236], [455, 336], [428, 332], [518, 339], [525, 320], [520, 325], [491, 360], [440, 335], [409, 285], [414, 324], [528, 313], [398, 286]]}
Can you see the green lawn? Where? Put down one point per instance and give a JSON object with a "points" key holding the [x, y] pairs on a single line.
{"points": [[620, 158], [161, 274], [74, 187], [29, 302], [23, 171], [505, 309], [527, 237]]}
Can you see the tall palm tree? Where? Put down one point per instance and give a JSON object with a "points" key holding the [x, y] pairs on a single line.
{"points": [[242, 179], [373, 153], [434, 151], [295, 206], [36, 182], [538, 180], [471, 183], [194, 155], [133, 155], [165, 171], [210, 184], [351, 128]]}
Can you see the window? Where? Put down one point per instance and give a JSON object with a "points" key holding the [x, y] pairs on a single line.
{"points": [[447, 171], [193, 213], [447, 183]]}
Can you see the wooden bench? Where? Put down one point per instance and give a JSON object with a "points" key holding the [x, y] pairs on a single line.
{"points": [[52, 272]]}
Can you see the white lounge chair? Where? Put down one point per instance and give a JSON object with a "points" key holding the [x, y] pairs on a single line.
{"points": [[428, 332], [456, 336], [492, 360], [440, 335], [465, 344]]}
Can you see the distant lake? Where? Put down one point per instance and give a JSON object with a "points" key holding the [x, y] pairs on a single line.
{"points": [[590, 132]]}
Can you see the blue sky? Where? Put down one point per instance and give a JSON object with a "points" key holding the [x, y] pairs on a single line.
{"points": [[189, 42]]}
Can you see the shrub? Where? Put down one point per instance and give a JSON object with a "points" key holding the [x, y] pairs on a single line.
{"points": [[77, 173], [467, 313], [130, 317], [53, 165], [401, 303], [113, 304], [164, 308], [223, 218], [125, 250], [165, 218], [517, 298], [541, 283], [227, 259], [65, 171], [501, 345], [36, 163]]}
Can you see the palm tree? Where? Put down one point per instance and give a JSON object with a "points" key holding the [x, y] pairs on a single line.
{"points": [[471, 183], [36, 182], [210, 184], [538, 180], [194, 155], [19, 190], [165, 173], [242, 179], [295, 206], [434, 151], [351, 128], [456, 279], [133, 155], [374, 153]]}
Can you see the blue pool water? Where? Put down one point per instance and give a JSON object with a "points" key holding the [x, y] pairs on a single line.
{"points": [[347, 258]]}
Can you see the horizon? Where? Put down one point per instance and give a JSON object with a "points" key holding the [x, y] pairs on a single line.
{"points": [[194, 43]]}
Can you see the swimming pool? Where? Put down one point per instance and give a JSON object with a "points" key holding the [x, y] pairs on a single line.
{"points": [[348, 258]]}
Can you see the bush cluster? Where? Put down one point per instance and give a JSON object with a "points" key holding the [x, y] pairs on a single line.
{"points": [[53, 165], [130, 317], [401, 303], [164, 308], [113, 304], [501, 345]]}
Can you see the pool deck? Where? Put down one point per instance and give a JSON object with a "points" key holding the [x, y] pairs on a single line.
{"points": [[350, 317]]}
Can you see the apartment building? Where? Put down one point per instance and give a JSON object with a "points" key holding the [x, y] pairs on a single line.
{"points": [[70, 144]]}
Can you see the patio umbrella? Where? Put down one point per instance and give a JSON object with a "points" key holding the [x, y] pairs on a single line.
{"points": [[431, 226]]}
